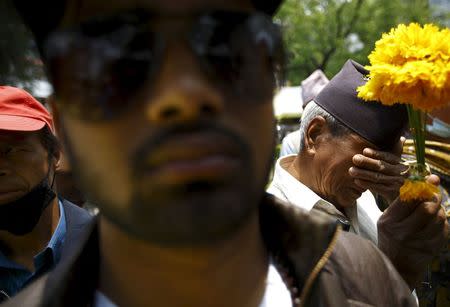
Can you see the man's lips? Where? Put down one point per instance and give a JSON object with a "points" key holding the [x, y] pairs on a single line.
{"points": [[193, 157], [10, 195]]}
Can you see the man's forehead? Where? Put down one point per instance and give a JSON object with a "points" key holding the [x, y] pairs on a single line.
{"points": [[79, 10]]}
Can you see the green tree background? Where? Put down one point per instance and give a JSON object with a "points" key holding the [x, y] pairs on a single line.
{"points": [[325, 33], [318, 33], [20, 64]]}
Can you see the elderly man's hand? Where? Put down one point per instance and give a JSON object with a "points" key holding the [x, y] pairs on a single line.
{"points": [[380, 171], [410, 234]]}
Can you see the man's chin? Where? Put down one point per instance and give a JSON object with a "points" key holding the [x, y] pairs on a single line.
{"points": [[200, 216]]}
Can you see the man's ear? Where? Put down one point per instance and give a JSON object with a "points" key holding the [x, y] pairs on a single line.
{"points": [[314, 133], [57, 156]]}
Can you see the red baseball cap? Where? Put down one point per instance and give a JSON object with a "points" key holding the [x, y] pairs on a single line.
{"points": [[19, 111]]}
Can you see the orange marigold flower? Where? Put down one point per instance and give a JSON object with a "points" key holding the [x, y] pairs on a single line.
{"points": [[410, 65], [417, 190]]}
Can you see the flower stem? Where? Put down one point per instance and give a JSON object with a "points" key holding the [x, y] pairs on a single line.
{"points": [[417, 125]]}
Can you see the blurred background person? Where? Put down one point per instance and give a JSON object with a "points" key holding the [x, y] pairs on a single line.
{"points": [[310, 87]]}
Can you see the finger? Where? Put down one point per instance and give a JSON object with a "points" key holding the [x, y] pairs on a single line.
{"points": [[433, 179], [378, 165], [432, 240], [397, 212], [402, 141], [378, 188], [382, 155], [415, 260], [398, 148], [432, 237], [422, 215], [388, 191], [434, 229], [375, 177]]}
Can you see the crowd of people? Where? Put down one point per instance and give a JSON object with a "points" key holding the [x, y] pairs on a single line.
{"points": [[164, 111]]}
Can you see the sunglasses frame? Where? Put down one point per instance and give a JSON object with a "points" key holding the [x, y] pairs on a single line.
{"points": [[111, 36]]}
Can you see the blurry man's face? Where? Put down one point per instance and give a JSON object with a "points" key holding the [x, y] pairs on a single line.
{"points": [[185, 159]]}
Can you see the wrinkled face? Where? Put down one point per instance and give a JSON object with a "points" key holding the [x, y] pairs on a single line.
{"points": [[23, 164], [334, 158], [184, 162]]}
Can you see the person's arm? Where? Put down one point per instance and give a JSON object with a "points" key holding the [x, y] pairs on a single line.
{"points": [[410, 234], [367, 275]]}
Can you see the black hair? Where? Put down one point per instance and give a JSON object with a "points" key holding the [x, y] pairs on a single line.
{"points": [[311, 111], [50, 142], [337, 128], [32, 13]]}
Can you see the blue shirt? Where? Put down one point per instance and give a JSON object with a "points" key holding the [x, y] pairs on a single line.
{"points": [[14, 277]]}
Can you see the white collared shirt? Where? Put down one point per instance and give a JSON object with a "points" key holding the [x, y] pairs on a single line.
{"points": [[363, 217]]}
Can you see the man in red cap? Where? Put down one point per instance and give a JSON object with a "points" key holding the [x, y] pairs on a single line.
{"points": [[35, 225]]}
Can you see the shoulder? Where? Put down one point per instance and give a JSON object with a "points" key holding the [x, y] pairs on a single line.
{"points": [[357, 252], [350, 269], [77, 219], [366, 275], [31, 296], [73, 211], [276, 191], [294, 235]]}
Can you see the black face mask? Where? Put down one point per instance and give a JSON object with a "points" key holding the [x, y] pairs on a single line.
{"points": [[21, 216]]}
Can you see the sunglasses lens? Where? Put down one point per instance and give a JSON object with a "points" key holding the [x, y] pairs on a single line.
{"points": [[241, 53], [96, 72]]}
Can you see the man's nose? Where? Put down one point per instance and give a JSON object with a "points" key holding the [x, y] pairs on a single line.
{"points": [[182, 91]]}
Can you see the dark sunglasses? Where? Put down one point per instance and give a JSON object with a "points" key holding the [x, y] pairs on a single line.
{"points": [[98, 68]]}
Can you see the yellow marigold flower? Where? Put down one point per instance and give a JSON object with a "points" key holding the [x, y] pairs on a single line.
{"points": [[417, 190], [410, 65]]}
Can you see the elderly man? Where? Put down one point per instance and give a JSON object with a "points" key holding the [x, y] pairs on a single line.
{"points": [[35, 226], [165, 108], [348, 146]]}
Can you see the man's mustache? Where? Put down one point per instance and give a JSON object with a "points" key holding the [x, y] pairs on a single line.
{"points": [[139, 157]]}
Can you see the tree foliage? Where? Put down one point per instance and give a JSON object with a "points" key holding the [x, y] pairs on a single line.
{"points": [[325, 33], [20, 64], [318, 33]]}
